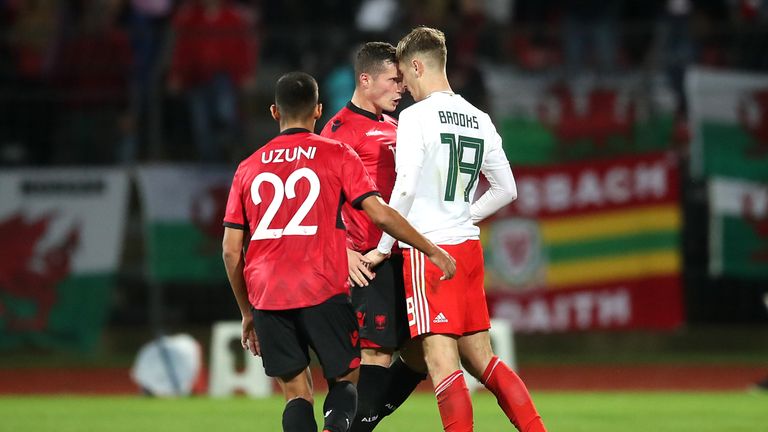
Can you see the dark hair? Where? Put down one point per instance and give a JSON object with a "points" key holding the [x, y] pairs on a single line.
{"points": [[373, 57], [426, 41], [296, 95]]}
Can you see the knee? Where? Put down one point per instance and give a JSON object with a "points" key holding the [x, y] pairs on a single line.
{"points": [[307, 397]]}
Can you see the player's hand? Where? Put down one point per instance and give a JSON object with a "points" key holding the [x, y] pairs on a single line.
{"points": [[444, 262], [359, 268], [250, 341], [375, 257]]}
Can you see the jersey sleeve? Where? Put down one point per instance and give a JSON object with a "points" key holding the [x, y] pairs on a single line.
{"points": [[234, 216], [495, 158], [496, 169], [355, 181], [410, 148]]}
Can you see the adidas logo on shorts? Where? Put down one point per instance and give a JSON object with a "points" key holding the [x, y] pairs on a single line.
{"points": [[440, 318]]}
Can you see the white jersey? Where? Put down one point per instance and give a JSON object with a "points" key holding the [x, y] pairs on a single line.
{"points": [[445, 142]]}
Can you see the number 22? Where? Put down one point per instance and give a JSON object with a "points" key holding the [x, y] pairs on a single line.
{"points": [[294, 226]]}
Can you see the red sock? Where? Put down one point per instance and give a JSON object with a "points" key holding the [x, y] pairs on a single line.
{"points": [[512, 396], [454, 403]]}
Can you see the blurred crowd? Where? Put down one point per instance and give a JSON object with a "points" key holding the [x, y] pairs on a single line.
{"points": [[99, 82]]}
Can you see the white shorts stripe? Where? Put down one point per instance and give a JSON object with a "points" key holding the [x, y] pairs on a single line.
{"points": [[419, 285], [416, 311], [423, 287]]}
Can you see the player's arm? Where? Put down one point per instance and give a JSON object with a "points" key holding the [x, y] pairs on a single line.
{"points": [[503, 191], [403, 195], [393, 223], [496, 169], [234, 262], [409, 158]]}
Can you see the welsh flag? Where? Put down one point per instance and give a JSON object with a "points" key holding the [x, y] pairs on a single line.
{"points": [[738, 228], [62, 233], [183, 212], [729, 115]]}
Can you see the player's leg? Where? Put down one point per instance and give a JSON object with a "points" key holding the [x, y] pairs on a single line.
{"points": [[332, 332], [477, 354], [436, 315], [285, 356], [341, 402], [372, 387], [405, 373], [510, 391], [375, 358], [453, 399], [298, 415], [380, 310]]}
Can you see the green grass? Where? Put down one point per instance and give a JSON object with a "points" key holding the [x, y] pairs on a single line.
{"points": [[566, 412]]}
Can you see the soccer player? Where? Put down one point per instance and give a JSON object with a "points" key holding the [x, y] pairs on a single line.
{"points": [[379, 302], [443, 144], [289, 274]]}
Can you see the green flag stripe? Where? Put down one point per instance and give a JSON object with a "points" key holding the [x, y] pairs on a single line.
{"points": [[730, 151], [628, 244], [744, 253]]}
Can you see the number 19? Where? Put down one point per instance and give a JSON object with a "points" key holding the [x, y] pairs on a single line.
{"points": [[457, 165]]}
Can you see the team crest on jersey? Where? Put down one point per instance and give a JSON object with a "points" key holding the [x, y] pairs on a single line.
{"points": [[360, 318], [380, 320], [335, 125]]}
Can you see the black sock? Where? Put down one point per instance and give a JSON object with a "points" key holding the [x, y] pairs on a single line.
{"points": [[340, 406], [298, 416], [371, 390], [402, 381]]}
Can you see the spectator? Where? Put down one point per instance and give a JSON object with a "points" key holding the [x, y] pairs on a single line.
{"points": [[32, 38], [677, 54], [590, 23], [213, 64], [92, 73], [148, 22]]}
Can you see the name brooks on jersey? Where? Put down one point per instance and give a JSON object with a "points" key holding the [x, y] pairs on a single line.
{"points": [[458, 119], [288, 155]]}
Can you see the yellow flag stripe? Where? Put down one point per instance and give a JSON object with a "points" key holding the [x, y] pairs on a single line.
{"points": [[613, 268], [610, 224]]}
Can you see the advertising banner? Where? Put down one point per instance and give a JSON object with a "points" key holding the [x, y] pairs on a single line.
{"points": [[610, 226], [61, 234]]}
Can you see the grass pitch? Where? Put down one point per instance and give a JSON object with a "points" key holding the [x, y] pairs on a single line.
{"points": [[562, 412]]}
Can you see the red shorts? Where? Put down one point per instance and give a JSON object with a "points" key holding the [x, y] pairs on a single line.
{"points": [[456, 306]]}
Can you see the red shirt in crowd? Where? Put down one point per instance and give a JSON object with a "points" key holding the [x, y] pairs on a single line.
{"points": [[210, 41]]}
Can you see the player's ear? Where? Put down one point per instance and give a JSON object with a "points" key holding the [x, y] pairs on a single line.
{"points": [[365, 79], [318, 111], [418, 67], [275, 112]]}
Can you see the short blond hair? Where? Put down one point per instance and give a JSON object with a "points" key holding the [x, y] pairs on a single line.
{"points": [[423, 40]]}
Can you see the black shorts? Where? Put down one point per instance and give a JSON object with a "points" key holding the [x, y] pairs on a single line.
{"points": [[380, 307], [329, 329]]}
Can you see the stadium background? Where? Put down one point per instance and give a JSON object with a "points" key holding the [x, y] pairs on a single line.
{"points": [[637, 132]]}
